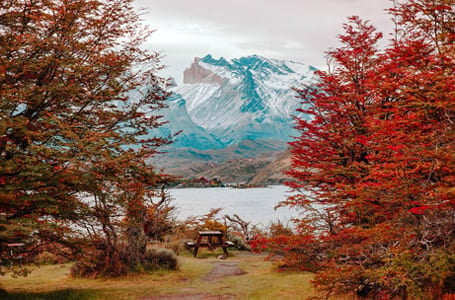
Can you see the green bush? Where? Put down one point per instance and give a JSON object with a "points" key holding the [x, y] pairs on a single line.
{"points": [[239, 243], [160, 259]]}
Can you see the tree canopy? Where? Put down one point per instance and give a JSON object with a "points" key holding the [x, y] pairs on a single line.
{"points": [[373, 170], [79, 96]]}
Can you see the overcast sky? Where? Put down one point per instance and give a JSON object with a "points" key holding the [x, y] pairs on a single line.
{"points": [[299, 30]]}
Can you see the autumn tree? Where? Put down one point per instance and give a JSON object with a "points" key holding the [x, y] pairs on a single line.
{"points": [[78, 96], [161, 216], [330, 158], [374, 165], [413, 150]]}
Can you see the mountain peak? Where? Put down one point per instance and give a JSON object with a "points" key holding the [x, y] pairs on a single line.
{"points": [[257, 63], [241, 98], [198, 74], [208, 59]]}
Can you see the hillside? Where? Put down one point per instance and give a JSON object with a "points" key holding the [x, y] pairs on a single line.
{"points": [[234, 164], [273, 173]]}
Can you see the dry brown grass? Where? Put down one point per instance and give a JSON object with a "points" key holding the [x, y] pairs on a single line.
{"points": [[261, 281]]}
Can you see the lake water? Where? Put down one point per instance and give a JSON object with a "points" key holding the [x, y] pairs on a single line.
{"points": [[255, 204]]}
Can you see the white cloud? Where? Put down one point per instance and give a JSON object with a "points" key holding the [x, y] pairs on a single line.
{"points": [[301, 30]]}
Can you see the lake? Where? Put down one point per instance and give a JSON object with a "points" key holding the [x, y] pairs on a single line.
{"points": [[254, 204]]}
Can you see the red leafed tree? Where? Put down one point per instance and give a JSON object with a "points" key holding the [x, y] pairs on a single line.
{"points": [[374, 165], [413, 149], [78, 95]]}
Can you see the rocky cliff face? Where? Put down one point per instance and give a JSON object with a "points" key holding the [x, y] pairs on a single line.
{"points": [[198, 74]]}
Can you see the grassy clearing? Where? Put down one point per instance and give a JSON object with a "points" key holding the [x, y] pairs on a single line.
{"points": [[260, 282]]}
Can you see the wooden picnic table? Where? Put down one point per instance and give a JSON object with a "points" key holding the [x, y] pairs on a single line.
{"points": [[211, 240]]}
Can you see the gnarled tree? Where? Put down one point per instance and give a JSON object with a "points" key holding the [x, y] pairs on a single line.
{"points": [[77, 102]]}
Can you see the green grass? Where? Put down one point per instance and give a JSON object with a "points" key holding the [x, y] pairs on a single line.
{"points": [[261, 281]]}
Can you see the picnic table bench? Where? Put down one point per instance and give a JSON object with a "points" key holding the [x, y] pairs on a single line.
{"points": [[14, 256], [210, 240]]}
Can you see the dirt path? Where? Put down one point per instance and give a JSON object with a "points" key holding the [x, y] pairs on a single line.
{"points": [[223, 269], [220, 270], [191, 297]]}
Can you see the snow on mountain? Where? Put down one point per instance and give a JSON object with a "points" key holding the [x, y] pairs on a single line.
{"points": [[192, 135], [223, 102]]}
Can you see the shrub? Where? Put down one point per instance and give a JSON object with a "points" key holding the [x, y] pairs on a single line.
{"points": [[278, 229], [49, 258], [239, 243], [97, 263], [100, 263], [160, 259]]}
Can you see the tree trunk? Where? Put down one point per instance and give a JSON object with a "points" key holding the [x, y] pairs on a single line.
{"points": [[136, 238]]}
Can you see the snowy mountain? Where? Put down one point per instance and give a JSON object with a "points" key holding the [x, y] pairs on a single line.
{"points": [[223, 102], [192, 135]]}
